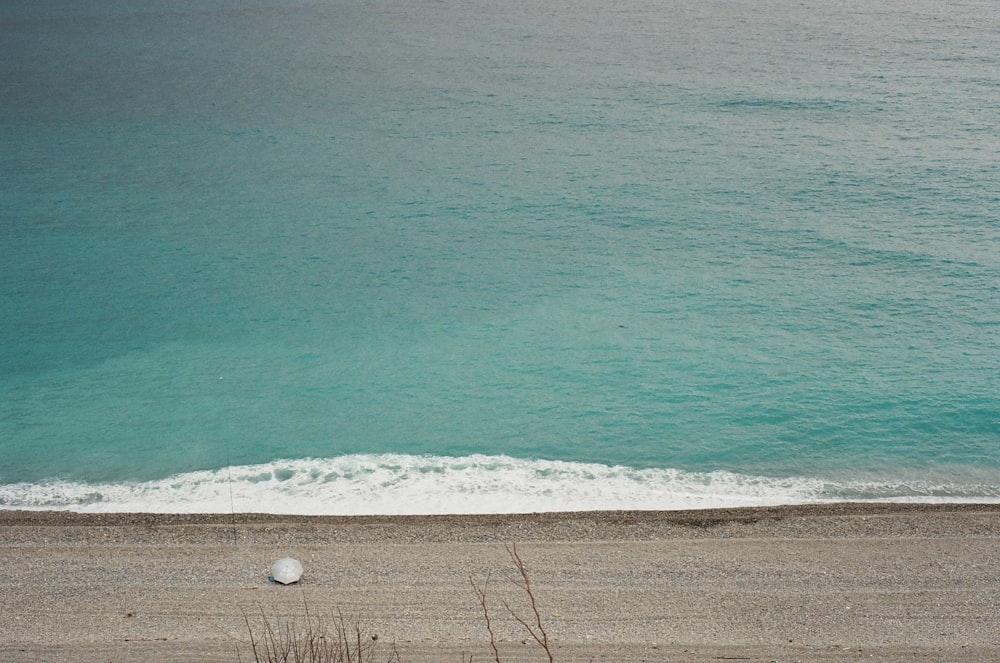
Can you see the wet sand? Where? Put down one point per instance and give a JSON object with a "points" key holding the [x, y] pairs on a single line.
{"points": [[816, 583]]}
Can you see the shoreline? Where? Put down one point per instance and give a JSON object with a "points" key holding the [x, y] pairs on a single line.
{"points": [[677, 516], [819, 582], [851, 518]]}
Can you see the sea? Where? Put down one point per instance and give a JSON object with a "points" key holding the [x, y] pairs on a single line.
{"points": [[484, 256]]}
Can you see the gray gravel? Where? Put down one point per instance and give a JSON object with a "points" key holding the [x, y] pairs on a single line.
{"points": [[832, 582]]}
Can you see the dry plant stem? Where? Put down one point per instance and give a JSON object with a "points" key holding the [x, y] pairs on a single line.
{"points": [[285, 641], [481, 594], [537, 631]]}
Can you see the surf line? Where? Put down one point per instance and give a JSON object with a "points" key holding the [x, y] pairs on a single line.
{"points": [[232, 500]]}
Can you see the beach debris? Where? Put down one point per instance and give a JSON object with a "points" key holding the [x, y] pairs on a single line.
{"points": [[286, 571]]}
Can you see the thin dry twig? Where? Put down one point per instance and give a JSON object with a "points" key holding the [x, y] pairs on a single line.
{"points": [[481, 594], [537, 631]]}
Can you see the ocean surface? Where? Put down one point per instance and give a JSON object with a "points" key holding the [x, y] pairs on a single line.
{"points": [[446, 256]]}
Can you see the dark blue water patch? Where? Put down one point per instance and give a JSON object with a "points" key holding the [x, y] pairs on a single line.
{"points": [[766, 105]]}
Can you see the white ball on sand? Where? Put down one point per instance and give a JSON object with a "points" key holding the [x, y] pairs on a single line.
{"points": [[286, 571]]}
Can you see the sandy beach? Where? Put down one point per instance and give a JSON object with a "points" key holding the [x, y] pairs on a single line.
{"points": [[816, 583]]}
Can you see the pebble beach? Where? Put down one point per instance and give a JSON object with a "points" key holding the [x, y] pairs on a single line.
{"points": [[800, 583]]}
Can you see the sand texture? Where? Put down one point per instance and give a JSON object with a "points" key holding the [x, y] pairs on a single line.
{"points": [[819, 583]]}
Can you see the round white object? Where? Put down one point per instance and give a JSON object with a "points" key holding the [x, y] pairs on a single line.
{"points": [[286, 571]]}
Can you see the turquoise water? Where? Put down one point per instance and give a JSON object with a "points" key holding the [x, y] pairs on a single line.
{"points": [[446, 256]]}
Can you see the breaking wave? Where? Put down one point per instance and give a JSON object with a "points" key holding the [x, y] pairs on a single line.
{"points": [[394, 484]]}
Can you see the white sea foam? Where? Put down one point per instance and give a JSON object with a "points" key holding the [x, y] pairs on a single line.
{"points": [[402, 484]]}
